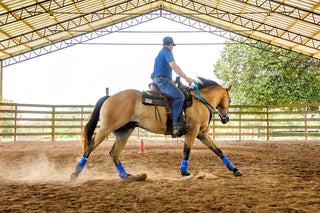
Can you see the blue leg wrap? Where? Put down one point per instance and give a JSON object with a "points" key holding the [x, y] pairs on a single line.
{"points": [[121, 171], [184, 167], [81, 164], [228, 164]]}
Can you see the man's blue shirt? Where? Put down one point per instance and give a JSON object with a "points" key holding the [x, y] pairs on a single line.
{"points": [[161, 65]]}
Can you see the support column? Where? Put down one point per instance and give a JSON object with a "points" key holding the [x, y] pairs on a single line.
{"points": [[1, 71], [1, 75]]}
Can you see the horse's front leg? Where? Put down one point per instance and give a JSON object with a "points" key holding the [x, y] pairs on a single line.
{"points": [[188, 142], [205, 139]]}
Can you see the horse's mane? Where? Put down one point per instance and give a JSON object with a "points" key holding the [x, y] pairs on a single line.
{"points": [[203, 83]]}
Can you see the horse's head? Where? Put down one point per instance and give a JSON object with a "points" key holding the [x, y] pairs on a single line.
{"points": [[219, 96], [223, 105]]}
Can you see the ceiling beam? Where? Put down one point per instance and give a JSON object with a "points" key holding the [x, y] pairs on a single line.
{"points": [[78, 10], [81, 39], [274, 6], [51, 15], [73, 23], [238, 38], [104, 6], [127, 10], [248, 23], [244, 7], [32, 10], [269, 14], [24, 22]]}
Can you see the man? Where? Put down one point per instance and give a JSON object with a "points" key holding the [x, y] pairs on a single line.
{"points": [[162, 77]]}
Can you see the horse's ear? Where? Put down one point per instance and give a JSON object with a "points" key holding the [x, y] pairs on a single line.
{"points": [[229, 88]]}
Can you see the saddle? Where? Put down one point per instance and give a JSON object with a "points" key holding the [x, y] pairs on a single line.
{"points": [[156, 98]]}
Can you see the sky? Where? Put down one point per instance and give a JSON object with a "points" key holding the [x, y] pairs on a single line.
{"points": [[81, 74]]}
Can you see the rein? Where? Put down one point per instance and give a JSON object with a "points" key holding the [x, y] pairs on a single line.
{"points": [[203, 100]]}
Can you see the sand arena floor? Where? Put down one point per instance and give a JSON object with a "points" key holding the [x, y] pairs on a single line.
{"points": [[278, 177]]}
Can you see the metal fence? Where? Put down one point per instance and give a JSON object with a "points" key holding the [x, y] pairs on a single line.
{"points": [[21, 122]]}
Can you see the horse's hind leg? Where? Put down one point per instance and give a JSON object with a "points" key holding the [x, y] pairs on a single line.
{"points": [[122, 136], [93, 143], [205, 139]]}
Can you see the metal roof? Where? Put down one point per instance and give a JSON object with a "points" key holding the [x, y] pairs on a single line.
{"points": [[31, 28]]}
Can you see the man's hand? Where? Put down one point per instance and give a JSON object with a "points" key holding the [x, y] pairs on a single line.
{"points": [[189, 80]]}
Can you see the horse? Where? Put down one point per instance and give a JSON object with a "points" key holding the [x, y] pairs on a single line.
{"points": [[122, 112]]}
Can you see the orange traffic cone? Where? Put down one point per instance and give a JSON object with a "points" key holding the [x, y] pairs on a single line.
{"points": [[142, 149]]}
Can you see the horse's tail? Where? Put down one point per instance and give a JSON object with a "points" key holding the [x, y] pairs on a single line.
{"points": [[88, 130]]}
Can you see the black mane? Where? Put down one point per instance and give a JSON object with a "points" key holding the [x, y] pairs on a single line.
{"points": [[203, 83]]}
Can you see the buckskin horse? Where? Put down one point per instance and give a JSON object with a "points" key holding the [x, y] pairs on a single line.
{"points": [[121, 113]]}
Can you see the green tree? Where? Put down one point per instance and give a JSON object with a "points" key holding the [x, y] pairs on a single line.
{"points": [[263, 78]]}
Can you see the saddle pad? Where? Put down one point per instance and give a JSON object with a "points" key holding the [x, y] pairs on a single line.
{"points": [[149, 99]]}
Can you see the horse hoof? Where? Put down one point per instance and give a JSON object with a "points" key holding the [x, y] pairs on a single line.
{"points": [[237, 173], [189, 177], [74, 175], [132, 178]]}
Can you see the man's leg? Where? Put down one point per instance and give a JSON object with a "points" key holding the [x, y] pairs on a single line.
{"points": [[177, 105], [167, 87]]}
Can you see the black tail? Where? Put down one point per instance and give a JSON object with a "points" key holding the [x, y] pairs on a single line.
{"points": [[88, 130]]}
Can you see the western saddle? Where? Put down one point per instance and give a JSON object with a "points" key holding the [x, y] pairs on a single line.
{"points": [[156, 98]]}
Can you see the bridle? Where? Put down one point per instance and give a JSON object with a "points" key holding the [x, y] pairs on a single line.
{"points": [[224, 119]]}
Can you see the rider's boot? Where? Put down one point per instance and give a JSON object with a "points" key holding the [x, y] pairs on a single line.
{"points": [[176, 130]]}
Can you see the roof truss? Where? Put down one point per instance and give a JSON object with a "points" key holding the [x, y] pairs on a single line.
{"points": [[36, 27]]}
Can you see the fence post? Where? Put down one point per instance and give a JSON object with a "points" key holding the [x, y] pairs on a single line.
{"points": [[305, 123], [15, 122], [267, 117], [53, 123], [240, 123], [1, 108], [81, 123], [213, 127]]}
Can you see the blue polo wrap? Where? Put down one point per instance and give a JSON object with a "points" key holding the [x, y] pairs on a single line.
{"points": [[184, 166], [121, 171], [81, 164], [228, 164]]}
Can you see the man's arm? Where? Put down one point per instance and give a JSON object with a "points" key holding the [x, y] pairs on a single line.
{"points": [[179, 71]]}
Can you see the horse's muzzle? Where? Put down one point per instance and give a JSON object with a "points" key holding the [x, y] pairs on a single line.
{"points": [[224, 119]]}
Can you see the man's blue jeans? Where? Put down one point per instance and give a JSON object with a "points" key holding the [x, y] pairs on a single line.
{"points": [[166, 86]]}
